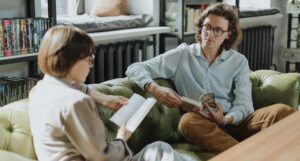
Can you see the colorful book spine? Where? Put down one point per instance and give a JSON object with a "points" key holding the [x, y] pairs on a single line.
{"points": [[6, 24], [30, 35], [15, 36], [23, 36], [36, 35], [41, 30], [1, 40]]}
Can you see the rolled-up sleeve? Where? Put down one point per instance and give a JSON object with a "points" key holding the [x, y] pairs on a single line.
{"points": [[242, 104], [162, 66], [86, 132]]}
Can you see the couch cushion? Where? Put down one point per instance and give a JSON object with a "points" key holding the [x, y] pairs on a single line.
{"points": [[270, 87], [160, 124], [9, 156], [14, 129], [90, 23]]}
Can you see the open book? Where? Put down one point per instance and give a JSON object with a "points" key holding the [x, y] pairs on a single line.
{"points": [[189, 104], [134, 112]]}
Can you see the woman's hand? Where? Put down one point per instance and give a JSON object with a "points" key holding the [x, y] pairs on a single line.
{"points": [[109, 101], [164, 95], [123, 133], [114, 102]]}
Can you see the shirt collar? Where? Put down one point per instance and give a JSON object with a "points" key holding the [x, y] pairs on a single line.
{"points": [[223, 56], [54, 80]]}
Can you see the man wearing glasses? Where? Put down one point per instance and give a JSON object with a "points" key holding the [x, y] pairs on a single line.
{"points": [[210, 65]]}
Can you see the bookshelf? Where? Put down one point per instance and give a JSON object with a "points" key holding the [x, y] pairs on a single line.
{"points": [[180, 16], [13, 88], [32, 56]]}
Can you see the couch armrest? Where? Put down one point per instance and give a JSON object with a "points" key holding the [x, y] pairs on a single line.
{"points": [[270, 87], [15, 134], [9, 156]]}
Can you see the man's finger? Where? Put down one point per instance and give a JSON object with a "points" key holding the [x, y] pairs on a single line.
{"points": [[199, 112], [208, 109], [178, 98], [219, 108], [173, 96]]}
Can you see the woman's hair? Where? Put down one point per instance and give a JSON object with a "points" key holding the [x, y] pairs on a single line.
{"points": [[61, 48], [231, 15]]}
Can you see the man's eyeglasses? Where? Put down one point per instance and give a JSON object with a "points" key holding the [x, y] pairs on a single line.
{"points": [[215, 30]]}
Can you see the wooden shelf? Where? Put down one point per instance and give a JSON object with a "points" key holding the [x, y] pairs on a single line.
{"points": [[18, 58], [198, 2]]}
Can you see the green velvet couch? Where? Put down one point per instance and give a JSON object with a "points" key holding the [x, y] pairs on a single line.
{"points": [[269, 87]]}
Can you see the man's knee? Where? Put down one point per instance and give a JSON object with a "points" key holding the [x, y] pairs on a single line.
{"points": [[188, 120], [282, 110]]}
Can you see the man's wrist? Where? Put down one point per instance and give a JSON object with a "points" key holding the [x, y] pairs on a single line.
{"points": [[151, 87], [227, 120], [225, 123], [146, 86]]}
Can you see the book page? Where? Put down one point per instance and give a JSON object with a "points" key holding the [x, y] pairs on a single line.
{"points": [[140, 114], [124, 113], [188, 104]]}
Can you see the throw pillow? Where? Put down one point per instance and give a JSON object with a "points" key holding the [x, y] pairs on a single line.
{"points": [[104, 8]]}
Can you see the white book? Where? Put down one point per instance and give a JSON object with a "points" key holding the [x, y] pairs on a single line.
{"points": [[134, 112]]}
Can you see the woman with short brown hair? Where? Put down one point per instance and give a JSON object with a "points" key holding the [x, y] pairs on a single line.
{"points": [[64, 120]]}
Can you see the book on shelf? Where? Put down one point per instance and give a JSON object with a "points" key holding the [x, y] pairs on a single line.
{"points": [[1, 40], [15, 88], [6, 24], [133, 113], [189, 104], [22, 35]]}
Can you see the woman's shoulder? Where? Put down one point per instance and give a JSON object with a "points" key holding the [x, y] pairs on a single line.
{"points": [[77, 97]]}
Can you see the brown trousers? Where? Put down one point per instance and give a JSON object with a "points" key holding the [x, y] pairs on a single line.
{"points": [[208, 135]]}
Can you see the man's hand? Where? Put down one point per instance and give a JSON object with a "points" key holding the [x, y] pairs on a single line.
{"points": [[114, 102], [164, 95], [217, 115]]}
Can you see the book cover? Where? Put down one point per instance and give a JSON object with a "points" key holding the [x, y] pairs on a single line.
{"points": [[15, 36], [30, 32], [189, 104], [36, 40], [6, 24], [134, 112], [1, 39], [23, 36]]}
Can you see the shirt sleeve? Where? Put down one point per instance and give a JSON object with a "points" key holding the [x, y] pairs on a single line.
{"points": [[162, 66], [242, 104], [86, 132]]}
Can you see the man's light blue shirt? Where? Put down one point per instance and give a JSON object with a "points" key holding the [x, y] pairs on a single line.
{"points": [[227, 77]]}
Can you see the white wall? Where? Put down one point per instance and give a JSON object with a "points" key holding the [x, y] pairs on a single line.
{"points": [[150, 7], [281, 32], [12, 8]]}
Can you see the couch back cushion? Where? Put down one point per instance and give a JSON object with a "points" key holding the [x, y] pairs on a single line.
{"points": [[160, 124], [15, 131], [270, 87]]}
